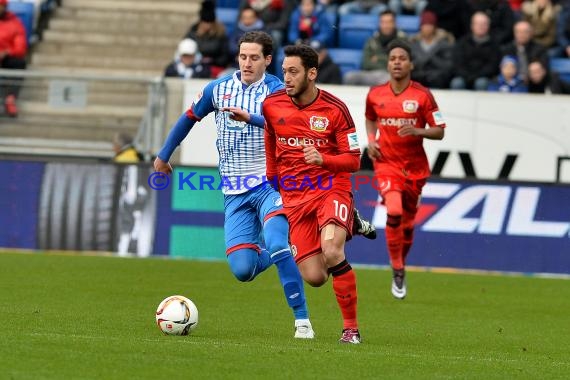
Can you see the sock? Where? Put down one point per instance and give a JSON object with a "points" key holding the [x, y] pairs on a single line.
{"points": [[247, 263], [276, 235], [394, 240], [344, 286], [407, 243]]}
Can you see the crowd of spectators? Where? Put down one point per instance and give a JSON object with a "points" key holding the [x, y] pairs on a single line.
{"points": [[494, 45]]}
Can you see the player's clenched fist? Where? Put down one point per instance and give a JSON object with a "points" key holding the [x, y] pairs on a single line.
{"points": [[162, 166], [312, 156]]}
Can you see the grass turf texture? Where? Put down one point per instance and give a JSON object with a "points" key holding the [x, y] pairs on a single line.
{"points": [[86, 317]]}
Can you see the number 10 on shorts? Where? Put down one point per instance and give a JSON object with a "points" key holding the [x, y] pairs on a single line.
{"points": [[340, 210]]}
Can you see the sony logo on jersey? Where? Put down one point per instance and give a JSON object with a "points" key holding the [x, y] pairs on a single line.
{"points": [[397, 121], [301, 141]]}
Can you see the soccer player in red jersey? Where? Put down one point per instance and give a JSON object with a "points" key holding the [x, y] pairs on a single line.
{"points": [[396, 116], [311, 149]]}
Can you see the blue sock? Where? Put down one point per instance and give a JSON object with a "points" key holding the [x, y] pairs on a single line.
{"points": [[246, 263], [276, 234]]}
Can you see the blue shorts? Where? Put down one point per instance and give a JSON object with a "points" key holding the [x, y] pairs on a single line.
{"points": [[245, 214]]}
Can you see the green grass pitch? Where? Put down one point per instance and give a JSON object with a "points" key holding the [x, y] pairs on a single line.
{"points": [[87, 317]]}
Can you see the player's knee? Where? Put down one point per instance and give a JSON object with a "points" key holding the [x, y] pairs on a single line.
{"points": [[242, 264], [394, 221], [276, 234], [243, 272], [333, 253], [315, 278]]}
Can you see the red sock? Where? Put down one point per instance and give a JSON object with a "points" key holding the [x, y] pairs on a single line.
{"points": [[394, 240], [407, 242], [344, 286]]}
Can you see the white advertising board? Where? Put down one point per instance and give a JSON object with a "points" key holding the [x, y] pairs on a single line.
{"points": [[483, 128]]}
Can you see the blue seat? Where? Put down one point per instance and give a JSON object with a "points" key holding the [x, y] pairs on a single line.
{"points": [[332, 17], [278, 59], [228, 4], [347, 59], [25, 12], [408, 23], [562, 67], [228, 17], [355, 29]]}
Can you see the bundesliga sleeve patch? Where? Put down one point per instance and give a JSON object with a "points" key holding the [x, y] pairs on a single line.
{"points": [[353, 141], [438, 118]]}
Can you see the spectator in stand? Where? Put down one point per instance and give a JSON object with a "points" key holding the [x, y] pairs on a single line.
{"points": [[371, 7], [432, 50], [540, 81], [501, 15], [186, 63], [211, 38], [375, 53], [309, 23], [508, 80], [525, 49], [452, 15], [248, 21], [13, 50], [563, 32], [476, 56], [542, 15], [329, 72], [407, 7], [516, 7], [275, 15], [125, 151]]}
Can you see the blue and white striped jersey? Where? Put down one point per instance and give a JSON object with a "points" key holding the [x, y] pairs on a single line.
{"points": [[240, 145]]}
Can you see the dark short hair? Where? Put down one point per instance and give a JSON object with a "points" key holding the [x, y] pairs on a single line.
{"points": [[258, 37], [402, 44], [387, 12], [309, 57]]}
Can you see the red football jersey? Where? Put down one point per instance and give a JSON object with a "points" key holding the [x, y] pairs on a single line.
{"points": [[325, 123], [415, 105]]}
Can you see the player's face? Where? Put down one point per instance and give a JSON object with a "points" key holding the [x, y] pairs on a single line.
{"points": [[297, 79], [399, 64], [252, 63]]}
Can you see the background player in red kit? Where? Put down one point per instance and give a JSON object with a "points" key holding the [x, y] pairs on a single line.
{"points": [[311, 149], [399, 110]]}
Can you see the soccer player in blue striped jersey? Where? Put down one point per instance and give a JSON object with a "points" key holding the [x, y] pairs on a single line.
{"points": [[254, 207]]}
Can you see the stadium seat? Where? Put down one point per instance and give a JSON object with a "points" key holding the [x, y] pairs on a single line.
{"points": [[355, 29], [278, 58], [228, 17], [347, 59], [25, 12], [228, 4], [332, 16], [408, 23], [562, 67]]}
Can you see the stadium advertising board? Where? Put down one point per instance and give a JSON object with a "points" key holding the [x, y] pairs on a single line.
{"points": [[498, 226], [489, 136]]}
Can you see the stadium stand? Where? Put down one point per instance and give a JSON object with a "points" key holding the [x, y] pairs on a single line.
{"points": [[228, 16], [347, 59], [25, 12], [409, 24], [107, 39], [355, 29], [228, 4], [562, 67]]}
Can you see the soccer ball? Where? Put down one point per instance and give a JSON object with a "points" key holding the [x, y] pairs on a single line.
{"points": [[176, 315]]}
